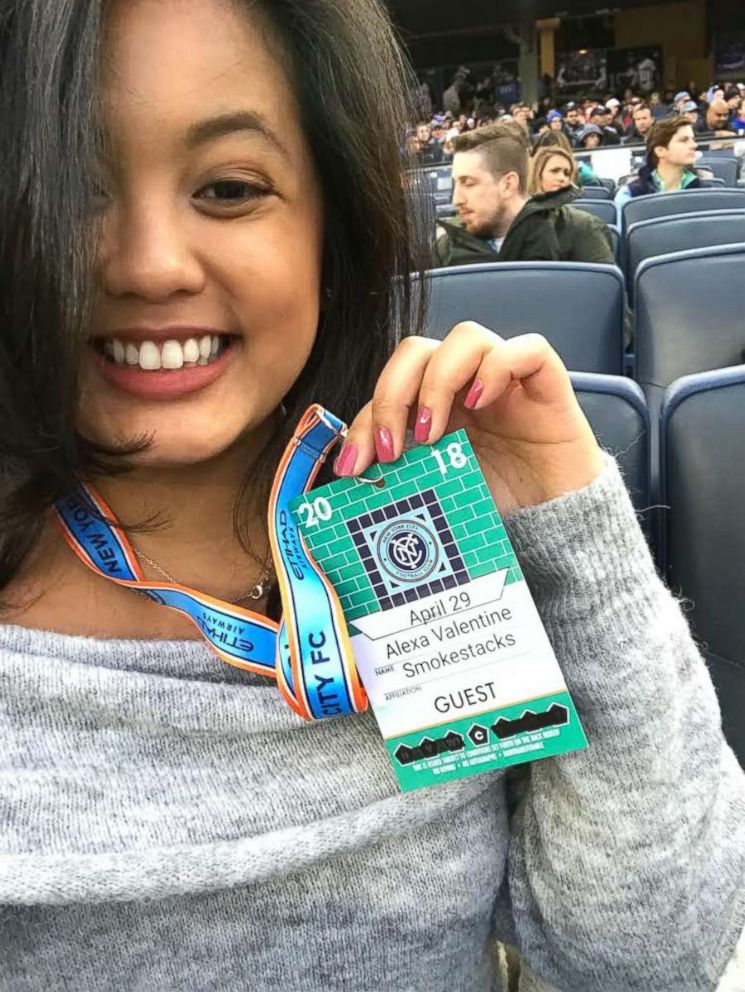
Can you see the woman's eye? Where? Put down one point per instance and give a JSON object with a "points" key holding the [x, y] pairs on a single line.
{"points": [[230, 191]]}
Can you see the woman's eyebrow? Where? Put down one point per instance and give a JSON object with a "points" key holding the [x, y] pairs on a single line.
{"points": [[228, 123]]}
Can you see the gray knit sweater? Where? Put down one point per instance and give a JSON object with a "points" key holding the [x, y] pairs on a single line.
{"points": [[166, 823]]}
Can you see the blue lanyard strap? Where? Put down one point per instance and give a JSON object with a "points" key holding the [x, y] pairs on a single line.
{"points": [[309, 653]]}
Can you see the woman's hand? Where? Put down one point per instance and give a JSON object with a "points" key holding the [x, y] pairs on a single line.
{"points": [[514, 398]]}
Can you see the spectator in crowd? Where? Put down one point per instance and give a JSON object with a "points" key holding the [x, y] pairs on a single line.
{"points": [[693, 112], [521, 113], [428, 149], [614, 121], [738, 123], [572, 120], [733, 100], [658, 108], [591, 136], [498, 222], [551, 169], [717, 119], [671, 152], [679, 100], [601, 116], [642, 121], [555, 120], [557, 139]]}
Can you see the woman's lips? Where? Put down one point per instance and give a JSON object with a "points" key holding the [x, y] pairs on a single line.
{"points": [[164, 384]]}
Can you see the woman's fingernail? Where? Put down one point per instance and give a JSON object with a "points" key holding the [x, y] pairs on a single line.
{"points": [[423, 425], [344, 464], [384, 444], [474, 394]]}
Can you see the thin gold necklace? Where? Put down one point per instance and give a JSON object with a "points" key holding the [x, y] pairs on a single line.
{"points": [[256, 592]]}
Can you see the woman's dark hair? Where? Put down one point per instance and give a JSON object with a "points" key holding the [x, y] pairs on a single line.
{"points": [[352, 83], [661, 134]]}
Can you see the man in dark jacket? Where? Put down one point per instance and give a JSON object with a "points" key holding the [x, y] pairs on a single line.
{"points": [[497, 220]]}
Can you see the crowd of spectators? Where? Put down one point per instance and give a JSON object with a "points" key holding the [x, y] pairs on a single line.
{"points": [[587, 124]]}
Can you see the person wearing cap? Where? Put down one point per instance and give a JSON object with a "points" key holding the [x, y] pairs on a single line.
{"points": [[555, 120], [678, 100], [615, 121], [671, 152], [499, 222], [601, 116]]}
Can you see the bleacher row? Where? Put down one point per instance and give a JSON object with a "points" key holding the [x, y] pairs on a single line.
{"points": [[674, 411]]}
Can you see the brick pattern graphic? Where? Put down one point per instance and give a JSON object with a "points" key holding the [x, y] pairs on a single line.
{"points": [[465, 500]]}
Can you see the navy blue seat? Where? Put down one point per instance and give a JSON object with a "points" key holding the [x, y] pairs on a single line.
{"points": [[687, 319], [685, 201], [596, 193], [618, 415], [604, 209], [724, 168], [704, 525], [662, 235], [579, 307]]}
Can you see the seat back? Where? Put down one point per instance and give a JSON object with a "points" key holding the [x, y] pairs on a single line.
{"points": [[686, 201], [618, 415], [687, 319], [662, 235], [723, 168], [604, 209], [579, 307], [704, 533], [596, 193]]}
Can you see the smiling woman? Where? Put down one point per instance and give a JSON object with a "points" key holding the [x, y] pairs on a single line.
{"points": [[203, 229]]}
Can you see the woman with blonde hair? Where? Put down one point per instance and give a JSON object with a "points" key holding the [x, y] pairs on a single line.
{"points": [[551, 169]]}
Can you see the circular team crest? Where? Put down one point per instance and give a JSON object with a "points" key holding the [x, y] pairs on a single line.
{"points": [[407, 550]]}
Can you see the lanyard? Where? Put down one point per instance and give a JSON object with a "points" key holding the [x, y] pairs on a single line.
{"points": [[309, 652]]}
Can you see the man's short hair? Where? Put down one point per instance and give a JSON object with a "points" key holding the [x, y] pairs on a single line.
{"points": [[661, 134], [504, 147]]}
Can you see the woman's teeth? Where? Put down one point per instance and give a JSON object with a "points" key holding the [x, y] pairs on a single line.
{"points": [[169, 355]]}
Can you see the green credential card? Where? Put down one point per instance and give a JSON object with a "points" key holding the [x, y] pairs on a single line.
{"points": [[448, 642]]}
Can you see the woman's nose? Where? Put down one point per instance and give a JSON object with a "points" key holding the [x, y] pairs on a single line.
{"points": [[147, 252]]}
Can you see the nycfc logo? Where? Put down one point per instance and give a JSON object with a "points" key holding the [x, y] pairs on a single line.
{"points": [[407, 550]]}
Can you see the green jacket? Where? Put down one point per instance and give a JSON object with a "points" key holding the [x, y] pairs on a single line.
{"points": [[547, 229]]}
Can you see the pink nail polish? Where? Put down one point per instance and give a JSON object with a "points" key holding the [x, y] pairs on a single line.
{"points": [[423, 425], [474, 394], [344, 464], [384, 444]]}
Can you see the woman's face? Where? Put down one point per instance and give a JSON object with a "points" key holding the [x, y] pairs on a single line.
{"points": [[556, 174], [209, 268], [591, 141]]}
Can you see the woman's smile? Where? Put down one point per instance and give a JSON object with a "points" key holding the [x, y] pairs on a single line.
{"points": [[164, 365]]}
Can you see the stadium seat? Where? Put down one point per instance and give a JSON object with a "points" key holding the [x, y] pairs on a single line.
{"points": [[689, 319], [704, 525], [616, 236], [579, 307], [686, 201], [604, 209], [724, 168], [596, 193], [618, 415], [662, 235]]}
